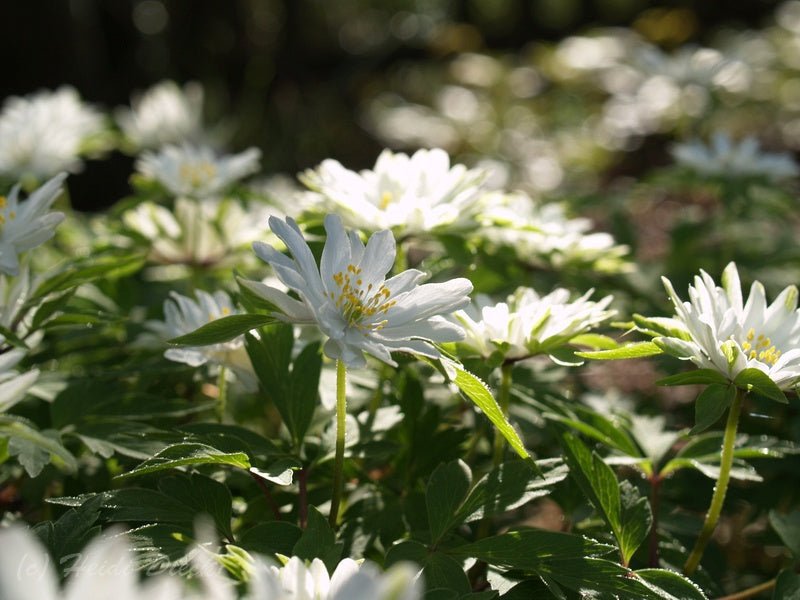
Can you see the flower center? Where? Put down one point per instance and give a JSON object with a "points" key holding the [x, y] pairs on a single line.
{"points": [[5, 216], [760, 347], [197, 174], [359, 303], [386, 198]]}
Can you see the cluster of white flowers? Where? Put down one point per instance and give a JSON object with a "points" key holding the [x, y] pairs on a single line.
{"points": [[106, 569], [724, 158], [716, 329], [45, 133], [529, 324]]}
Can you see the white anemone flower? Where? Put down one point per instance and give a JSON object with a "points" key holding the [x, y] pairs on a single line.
{"points": [[298, 581], [410, 194], [197, 171], [529, 324], [27, 224], [725, 158], [349, 298], [184, 315], [44, 133], [718, 330], [164, 114]]}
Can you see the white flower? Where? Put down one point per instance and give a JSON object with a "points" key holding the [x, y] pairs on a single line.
{"points": [[207, 233], [298, 581], [718, 330], [410, 194], [724, 158], [350, 300], [197, 171], [183, 315], [44, 133], [164, 114], [529, 324], [27, 224], [543, 233]]}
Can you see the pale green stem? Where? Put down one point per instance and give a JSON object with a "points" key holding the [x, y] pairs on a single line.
{"points": [[222, 394], [341, 423], [503, 400], [718, 498]]}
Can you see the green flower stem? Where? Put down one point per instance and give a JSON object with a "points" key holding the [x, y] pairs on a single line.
{"points": [[503, 400], [726, 462], [338, 464], [222, 395]]}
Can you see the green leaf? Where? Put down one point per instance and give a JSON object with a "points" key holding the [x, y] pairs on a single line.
{"points": [[507, 486], [318, 540], [594, 340], [635, 519], [188, 454], [787, 587], [670, 585], [203, 495], [634, 350], [34, 449], [787, 526], [444, 572], [447, 487], [273, 537], [222, 330], [710, 405], [759, 382], [697, 376], [67, 536], [304, 385]]}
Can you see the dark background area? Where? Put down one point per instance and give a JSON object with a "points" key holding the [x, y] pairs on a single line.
{"points": [[289, 76]]}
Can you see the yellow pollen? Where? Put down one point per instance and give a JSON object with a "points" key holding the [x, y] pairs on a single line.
{"points": [[386, 198], [359, 305], [12, 214], [751, 334], [2, 201], [2, 219], [197, 174], [762, 349], [226, 311]]}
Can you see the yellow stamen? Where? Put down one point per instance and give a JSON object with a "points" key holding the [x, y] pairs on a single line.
{"points": [[386, 198]]}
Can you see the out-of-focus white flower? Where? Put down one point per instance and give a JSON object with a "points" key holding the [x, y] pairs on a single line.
{"points": [[717, 330], [27, 224], [408, 194], [349, 298], [197, 171], [529, 324], [183, 315], [199, 233], [164, 114], [543, 233], [45, 133], [298, 581], [724, 158]]}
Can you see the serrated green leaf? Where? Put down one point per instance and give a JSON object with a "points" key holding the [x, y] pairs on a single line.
{"points": [[188, 454], [273, 537], [304, 386], [759, 382], [634, 350], [787, 526], [595, 340], [447, 487], [635, 519], [318, 540], [787, 586], [710, 405], [222, 330], [697, 376], [34, 448], [670, 585]]}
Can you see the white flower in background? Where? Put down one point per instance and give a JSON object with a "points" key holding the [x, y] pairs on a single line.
{"points": [[45, 133], [724, 158], [529, 324], [197, 171], [349, 298], [298, 581], [719, 331], [27, 224], [543, 233], [164, 114], [207, 233], [183, 315], [13, 385], [409, 194]]}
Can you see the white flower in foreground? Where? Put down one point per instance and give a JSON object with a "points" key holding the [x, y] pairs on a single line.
{"points": [[724, 158], [44, 133], [298, 581], [207, 233], [27, 224], [529, 324], [164, 114], [543, 233], [349, 298], [718, 330], [410, 194], [184, 315], [197, 171]]}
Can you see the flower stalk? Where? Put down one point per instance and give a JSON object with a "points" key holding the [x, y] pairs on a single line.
{"points": [[341, 424], [718, 498]]}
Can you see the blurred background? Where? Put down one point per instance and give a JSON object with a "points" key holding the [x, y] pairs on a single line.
{"points": [[307, 79]]}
